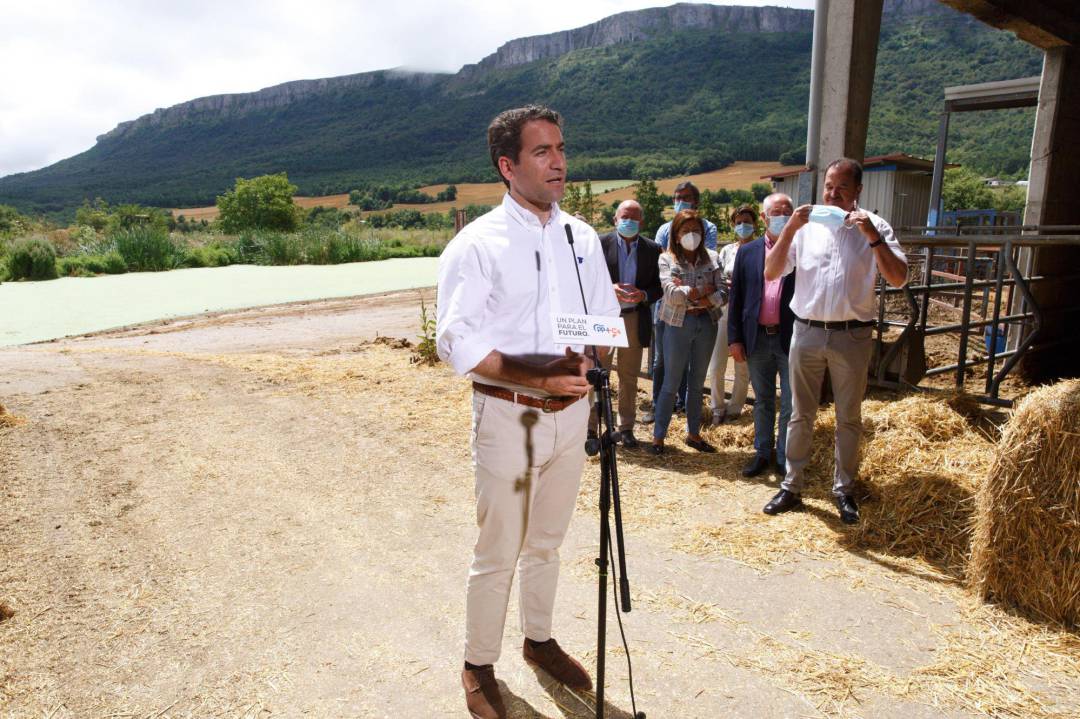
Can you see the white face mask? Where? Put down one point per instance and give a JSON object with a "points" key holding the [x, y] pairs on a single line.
{"points": [[690, 241]]}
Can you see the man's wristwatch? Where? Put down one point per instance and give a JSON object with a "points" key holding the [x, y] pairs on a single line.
{"points": [[877, 242]]}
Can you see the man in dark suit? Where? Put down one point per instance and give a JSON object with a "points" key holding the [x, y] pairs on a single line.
{"points": [[632, 261], [760, 324]]}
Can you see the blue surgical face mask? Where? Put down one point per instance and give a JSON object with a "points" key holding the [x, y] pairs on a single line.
{"points": [[681, 205], [777, 224], [830, 216], [743, 230], [627, 227]]}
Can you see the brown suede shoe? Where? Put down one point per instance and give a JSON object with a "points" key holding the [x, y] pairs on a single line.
{"points": [[550, 657], [482, 696]]}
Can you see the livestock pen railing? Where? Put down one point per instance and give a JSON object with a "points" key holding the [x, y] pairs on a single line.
{"points": [[955, 269]]}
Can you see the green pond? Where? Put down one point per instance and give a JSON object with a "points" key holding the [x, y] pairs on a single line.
{"points": [[36, 311]]}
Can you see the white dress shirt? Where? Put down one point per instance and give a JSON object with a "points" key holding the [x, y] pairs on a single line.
{"points": [[501, 278], [837, 272]]}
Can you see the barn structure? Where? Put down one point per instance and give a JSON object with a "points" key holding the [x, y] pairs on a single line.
{"points": [[1041, 258]]}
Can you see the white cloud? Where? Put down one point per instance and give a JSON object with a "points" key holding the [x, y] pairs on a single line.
{"points": [[75, 69]]}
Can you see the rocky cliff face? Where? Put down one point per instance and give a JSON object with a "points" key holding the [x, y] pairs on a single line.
{"points": [[643, 24], [238, 104], [621, 28]]}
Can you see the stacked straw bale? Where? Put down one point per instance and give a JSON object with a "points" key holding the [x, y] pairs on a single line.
{"points": [[1026, 543]]}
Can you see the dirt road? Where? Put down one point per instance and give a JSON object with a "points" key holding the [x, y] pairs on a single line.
{"points": [[270, 513]]}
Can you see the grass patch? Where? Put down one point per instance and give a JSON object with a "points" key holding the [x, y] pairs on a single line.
{"points": [[110, 263], [329, 246], [148, 249]]}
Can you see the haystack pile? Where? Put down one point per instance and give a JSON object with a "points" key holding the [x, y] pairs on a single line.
{"points": [[922, 464], [1026, 545]]}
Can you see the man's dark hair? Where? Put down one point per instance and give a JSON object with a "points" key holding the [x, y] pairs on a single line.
{"points": [[691, 187], [846, 163], [504, 132]]}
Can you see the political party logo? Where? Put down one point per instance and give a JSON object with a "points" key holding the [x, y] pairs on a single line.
{"points": [[604, 329]]}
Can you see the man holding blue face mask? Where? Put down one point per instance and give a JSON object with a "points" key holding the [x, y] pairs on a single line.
{"points": [[838, 250]]}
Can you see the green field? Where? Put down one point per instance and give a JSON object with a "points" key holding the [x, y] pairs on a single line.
{"points": [[601, 186]]}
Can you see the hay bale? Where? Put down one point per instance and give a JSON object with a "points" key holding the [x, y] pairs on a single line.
{"points": [[1026, 544]]}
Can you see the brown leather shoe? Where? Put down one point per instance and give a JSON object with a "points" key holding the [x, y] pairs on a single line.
{"points": [[550, 657], [482, 696]]}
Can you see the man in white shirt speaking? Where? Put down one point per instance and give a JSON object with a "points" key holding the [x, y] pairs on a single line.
{"points": [[838, 250], [500, 280]]}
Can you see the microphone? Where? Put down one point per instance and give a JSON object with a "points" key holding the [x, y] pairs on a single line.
{"points": [[573, 256]]}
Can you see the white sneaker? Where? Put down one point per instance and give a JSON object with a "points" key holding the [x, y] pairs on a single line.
{"points": [[648, 418], [717, 417]]}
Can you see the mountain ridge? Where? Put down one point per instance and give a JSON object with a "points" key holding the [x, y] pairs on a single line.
{"points": [[628, 26], [742, 96]]}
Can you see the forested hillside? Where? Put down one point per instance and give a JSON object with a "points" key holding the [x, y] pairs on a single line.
{"points": [[680, 101]]}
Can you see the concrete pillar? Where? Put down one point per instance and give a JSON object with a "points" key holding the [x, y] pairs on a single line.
{"points": [[850, 58], [1052, 200]]}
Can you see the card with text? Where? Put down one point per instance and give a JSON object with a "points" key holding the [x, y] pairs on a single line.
{"points": [[574, 329]]}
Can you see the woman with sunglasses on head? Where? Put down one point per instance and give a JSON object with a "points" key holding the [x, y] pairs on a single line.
{"points": [[694, 293]]}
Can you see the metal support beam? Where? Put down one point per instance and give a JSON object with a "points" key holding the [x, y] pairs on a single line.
{"points": [[851, 43], [939, 171]]}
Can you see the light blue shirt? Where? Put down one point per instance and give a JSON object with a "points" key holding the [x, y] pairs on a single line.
{"points": [[664, 233], [627, 265]]}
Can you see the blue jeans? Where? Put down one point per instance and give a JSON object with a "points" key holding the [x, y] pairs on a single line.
{"points": [[687, 351], [767, 360], [657, 370]]}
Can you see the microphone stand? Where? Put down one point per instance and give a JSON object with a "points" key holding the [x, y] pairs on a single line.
{"points": [[604, 445]]}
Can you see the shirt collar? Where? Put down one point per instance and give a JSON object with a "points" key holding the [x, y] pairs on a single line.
{"points": [[768, 242], [526, 216]]}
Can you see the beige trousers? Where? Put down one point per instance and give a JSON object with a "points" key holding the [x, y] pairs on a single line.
{"points": [[527, 482], [846, 354], [627, 367], [718, 372]]}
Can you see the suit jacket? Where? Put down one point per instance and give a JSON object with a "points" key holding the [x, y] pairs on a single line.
{"points": [[744, 304], [648, 277]]}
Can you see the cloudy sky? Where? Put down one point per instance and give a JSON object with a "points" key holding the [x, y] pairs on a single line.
{"points": [[73, 69]]}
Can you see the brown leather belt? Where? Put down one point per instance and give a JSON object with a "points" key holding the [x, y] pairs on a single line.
{"points": [[697, 311], [547, 404], [842, 326]]}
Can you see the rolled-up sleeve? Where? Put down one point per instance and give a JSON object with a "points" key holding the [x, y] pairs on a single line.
{"points": [[887, 234], [793, 253], [464, 286]]}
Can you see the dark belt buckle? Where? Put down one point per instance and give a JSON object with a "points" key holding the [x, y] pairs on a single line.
{"points": [[772, 329]]}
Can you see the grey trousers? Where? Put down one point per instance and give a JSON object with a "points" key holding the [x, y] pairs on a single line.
{"points": [[846, 354]]}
